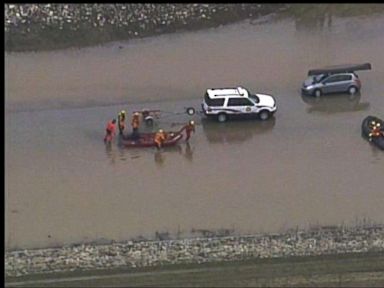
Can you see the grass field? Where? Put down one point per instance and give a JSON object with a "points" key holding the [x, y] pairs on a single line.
{"points": [[348, 270]]}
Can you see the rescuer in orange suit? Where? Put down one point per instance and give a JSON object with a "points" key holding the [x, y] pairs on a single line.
{"points": [[189, 128], [135, 125], [376, 131], [160, 138], [110, 131]]}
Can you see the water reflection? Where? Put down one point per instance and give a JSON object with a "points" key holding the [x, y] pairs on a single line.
{"points": [[313, 16], [111, 153], [235, 131], [122, 155], [376, 152], [159, 158], [115, 151], [335, 103], [188, 152], [182, 149]]}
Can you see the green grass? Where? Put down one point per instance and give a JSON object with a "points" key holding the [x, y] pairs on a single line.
{"points": [[358, 270]]}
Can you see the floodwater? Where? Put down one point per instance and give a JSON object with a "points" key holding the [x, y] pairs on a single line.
{"points": [[307, 165]]}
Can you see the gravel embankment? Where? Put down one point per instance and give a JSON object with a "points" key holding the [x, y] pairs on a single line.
{"points": [[319, 241], [44, 26]]}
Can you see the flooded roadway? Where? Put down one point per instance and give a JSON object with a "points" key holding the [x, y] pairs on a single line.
{"points": [[306, 166]]}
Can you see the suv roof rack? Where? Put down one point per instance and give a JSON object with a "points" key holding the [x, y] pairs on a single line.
{"points": [[229, 91]]}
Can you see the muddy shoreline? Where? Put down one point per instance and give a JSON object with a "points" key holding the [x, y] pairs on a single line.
{"points": [[325, 240], [40, 27], [36, 27]]}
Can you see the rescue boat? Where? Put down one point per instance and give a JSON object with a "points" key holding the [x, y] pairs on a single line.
{"points": [[148, 140], [366, 129]]}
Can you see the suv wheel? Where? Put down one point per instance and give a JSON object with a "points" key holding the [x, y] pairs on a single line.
{"points": [[264, 115], [317, 93], [191, 111], [352, 90], [222, 117]]}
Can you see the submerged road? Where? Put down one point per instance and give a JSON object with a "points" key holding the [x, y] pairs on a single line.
{"points": [[307, 166]]}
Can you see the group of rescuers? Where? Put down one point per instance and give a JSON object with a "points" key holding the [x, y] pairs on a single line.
{"points": [[376, 130], [160, 135]]}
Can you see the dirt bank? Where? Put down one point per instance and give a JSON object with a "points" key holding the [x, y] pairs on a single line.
{"points": [[54, 26], [315, 241]]}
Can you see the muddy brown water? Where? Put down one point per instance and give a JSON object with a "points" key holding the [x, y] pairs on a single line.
{"points": [[308, 165]]}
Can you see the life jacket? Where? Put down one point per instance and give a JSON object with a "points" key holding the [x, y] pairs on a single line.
{"points": [[376, 131], [159, 138], [111, 127], [121, 119], [189, 128], [135, 122]]}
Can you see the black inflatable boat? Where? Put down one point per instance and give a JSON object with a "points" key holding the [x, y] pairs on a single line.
{"points": [[366, 129]]}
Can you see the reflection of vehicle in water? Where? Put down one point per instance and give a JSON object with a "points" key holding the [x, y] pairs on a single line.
{"points": [[335, 103], [235, 131]]}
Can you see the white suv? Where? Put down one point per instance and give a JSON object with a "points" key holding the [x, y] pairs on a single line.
{"points": [[225, 103]]}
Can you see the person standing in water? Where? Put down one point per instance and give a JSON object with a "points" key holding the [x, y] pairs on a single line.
{"points": [[110, 131], [135, 123], [189, 128], [121, 121], [159, 139]]}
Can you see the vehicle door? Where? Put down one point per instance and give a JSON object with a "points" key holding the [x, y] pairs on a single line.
{"points": [[213, 106], [242, 105], [344, 82], [331, 84]]}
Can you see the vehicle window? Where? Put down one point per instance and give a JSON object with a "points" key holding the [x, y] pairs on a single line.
{"points": [[345, 77], [318, 78], [332, 79], [213, 102], [239, 102], [254, 98]]}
